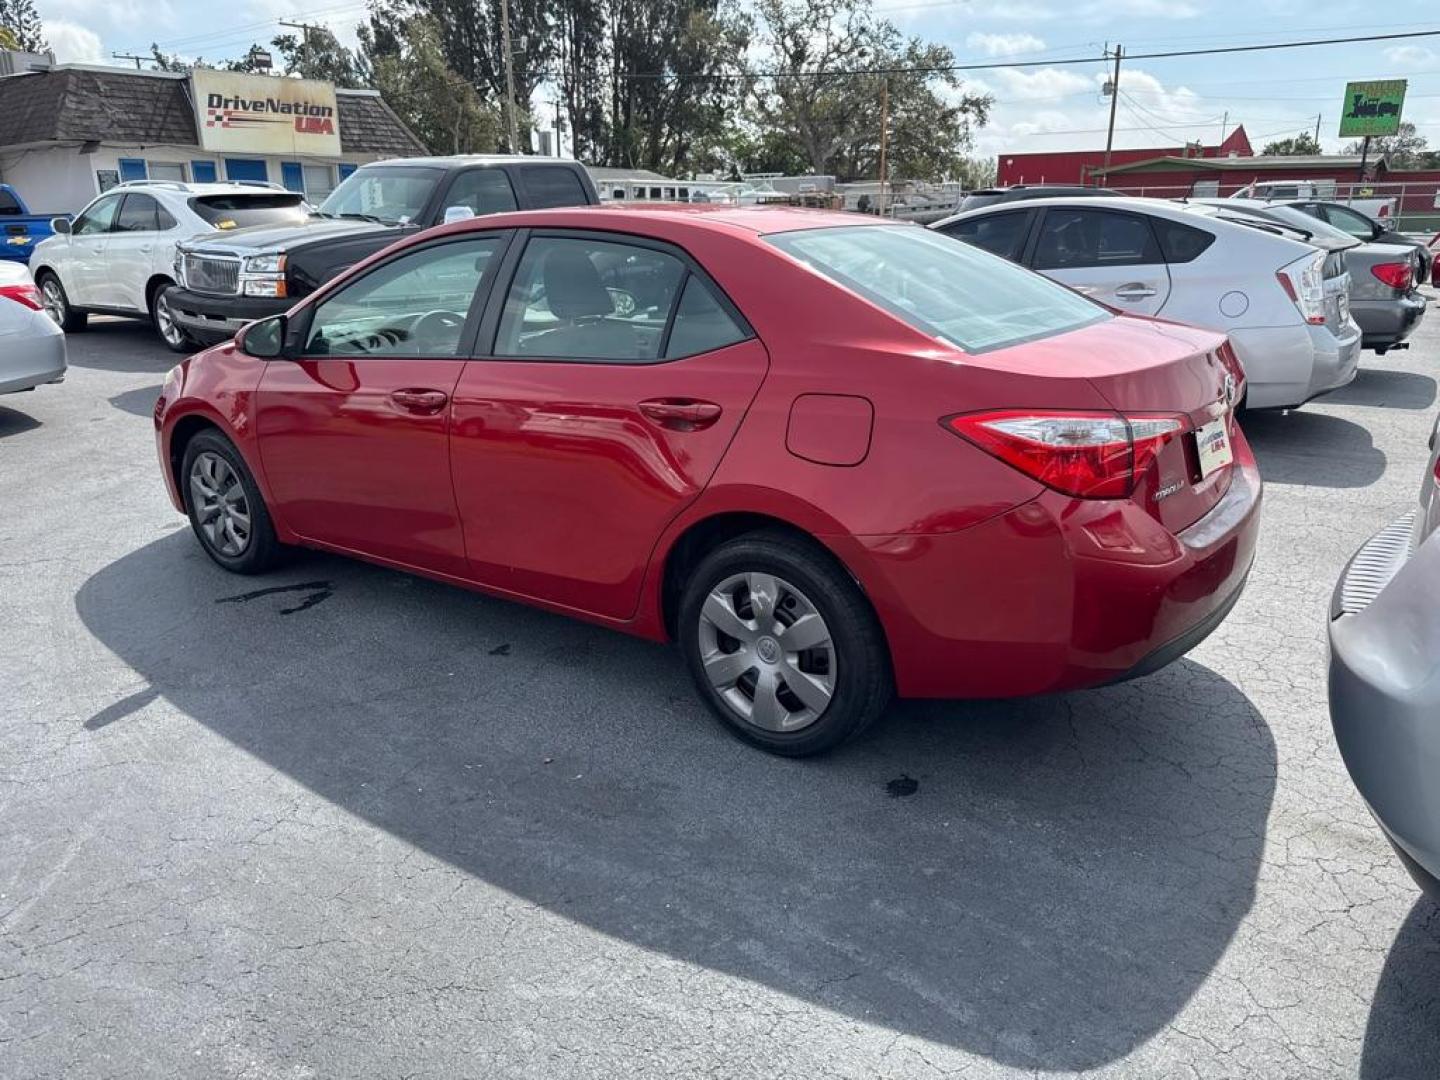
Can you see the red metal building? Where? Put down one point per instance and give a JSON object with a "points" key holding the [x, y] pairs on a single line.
{"points": [[1080, 166]]}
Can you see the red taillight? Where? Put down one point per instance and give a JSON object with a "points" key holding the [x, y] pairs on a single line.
{"points": [[27, 294], [1398, 275], [1092, 455]]}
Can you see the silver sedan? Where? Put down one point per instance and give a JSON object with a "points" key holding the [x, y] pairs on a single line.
{"points": [[32, 347], [1385, 678]]}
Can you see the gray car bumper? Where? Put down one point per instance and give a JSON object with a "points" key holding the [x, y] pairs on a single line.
{"points": [[1384, 323], [1385, 689], [28, 362]]}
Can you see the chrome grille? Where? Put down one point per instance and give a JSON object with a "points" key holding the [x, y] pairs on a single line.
{"points": [[210, 274], [1375, 564]]}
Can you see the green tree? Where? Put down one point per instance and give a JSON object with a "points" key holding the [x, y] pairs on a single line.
{"points": [[1296, 145], [1407, 149], [22, 23], [318, 54], [407, 62]]}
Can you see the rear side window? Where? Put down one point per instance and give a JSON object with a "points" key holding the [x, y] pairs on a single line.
{"points": [[138, 213], [701, 324], [1081, 239], [1181, 243], [485, 191], [950, 291], [237, 211], [1003, 234], [552, 185]]}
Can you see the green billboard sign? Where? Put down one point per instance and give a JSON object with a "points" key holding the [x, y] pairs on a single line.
{"points": [[1372, 108]]}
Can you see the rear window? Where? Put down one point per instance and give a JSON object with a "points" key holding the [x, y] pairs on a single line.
{"points": [[237, 211], [951, 291]]}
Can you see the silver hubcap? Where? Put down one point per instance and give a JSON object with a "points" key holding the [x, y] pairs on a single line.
{"points": [[165, 320], [767, 652], [53, 300], [220, 504]]}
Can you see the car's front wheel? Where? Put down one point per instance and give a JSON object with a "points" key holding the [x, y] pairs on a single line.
{"points": [[162, 315], [57, 304], [225, 506], [782, 644]]}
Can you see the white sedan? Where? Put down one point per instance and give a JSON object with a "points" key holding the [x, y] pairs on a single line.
{"points": [[1283, 303], [117, 257], [32, 347]]}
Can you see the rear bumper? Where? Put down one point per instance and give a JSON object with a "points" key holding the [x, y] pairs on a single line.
{"points": [[1286, 366], [1384, 323], [33, 358], [217, 318], [1059, 593], [1385, 689]]}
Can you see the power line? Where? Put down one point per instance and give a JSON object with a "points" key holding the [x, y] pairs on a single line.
{"points": [[940, 69]]}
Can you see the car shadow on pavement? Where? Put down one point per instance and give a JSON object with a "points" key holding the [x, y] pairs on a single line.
{"points": [[1386, 388], [138, 402], [1402, 1039], [1312, 449], [1044, 882], [119, 345], [13, 422]]}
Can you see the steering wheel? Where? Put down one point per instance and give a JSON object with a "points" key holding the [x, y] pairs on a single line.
{"points": [[437, 328]]}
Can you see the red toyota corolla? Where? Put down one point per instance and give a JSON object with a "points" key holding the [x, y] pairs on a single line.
{"points": [[834, 458]]}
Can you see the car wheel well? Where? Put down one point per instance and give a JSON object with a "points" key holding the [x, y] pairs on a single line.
{"points": [[704, 537], [186, 429], [153, 286]]}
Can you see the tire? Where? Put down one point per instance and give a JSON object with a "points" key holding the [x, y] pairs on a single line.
{"points": [[211, 470], [57, 304], [845, 681], [176, 337]]}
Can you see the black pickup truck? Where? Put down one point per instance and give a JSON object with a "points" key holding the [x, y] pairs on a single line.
{"points": [[230, 278]]}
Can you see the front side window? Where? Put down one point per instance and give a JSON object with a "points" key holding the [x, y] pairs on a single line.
{"points": [[951, 291], [485, 191], [1082, 239], [1002, 234], [98, 219], [552, 185], [415, 306], [391, 193], [582, 299]]}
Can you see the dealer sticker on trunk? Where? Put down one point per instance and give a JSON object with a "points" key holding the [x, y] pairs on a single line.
{"points": [[1213, 442]]}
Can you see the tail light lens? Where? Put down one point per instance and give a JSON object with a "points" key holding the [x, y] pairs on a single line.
{"points": [[1089, 455], [1304, 282], [27, 295], [1398, 275]]}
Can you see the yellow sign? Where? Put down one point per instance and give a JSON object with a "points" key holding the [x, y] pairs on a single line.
{"points": [[263, 114]]}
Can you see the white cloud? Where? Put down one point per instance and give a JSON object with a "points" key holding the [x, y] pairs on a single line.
{"points": [[1004, 44], [74, 44], [1409, 56], [1105, 10], [1039, 84]]}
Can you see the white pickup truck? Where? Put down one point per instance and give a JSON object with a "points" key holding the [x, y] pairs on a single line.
{"points": [[1382, 210]]}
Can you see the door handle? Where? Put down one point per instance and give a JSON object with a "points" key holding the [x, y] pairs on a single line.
{"points": [[681, 414], [1135, 291], [420, 401]]}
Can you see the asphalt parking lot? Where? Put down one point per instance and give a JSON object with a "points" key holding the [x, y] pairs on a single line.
{"points": [[340, 822]]}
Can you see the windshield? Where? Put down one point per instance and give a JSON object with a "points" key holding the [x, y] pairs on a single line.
{"points": [[394, 194], [238, 211], [943, 287]]}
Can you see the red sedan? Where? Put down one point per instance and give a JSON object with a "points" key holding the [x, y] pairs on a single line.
{"points": [[834, 458]]}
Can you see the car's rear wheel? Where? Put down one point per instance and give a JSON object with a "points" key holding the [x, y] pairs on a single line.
{"points": [[225, 506], [57, 304], [162, 316], [782, 645]]}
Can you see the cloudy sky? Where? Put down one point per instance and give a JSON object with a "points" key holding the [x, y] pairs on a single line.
{"points": [[1164, 102]]}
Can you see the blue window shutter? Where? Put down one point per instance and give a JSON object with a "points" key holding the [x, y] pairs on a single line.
{"points": [[246, 169], [202, 172], [345, 169], [292, 176], [132, 168]]}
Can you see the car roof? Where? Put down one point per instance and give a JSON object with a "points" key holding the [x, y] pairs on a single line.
{"points": [[754, 220], [450, 161], [1165, 207], [189, 190]]}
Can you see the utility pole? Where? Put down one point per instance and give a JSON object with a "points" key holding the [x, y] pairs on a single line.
{"points": [[1317, 128], [559, 126], [1224, 123], [1114, 100], [305, 29], [884, 136], [131, 56], [509, 77]]}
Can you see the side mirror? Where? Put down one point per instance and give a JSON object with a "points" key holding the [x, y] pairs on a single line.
{"points": [[60, 226], [458, 213], [263, 339]]}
